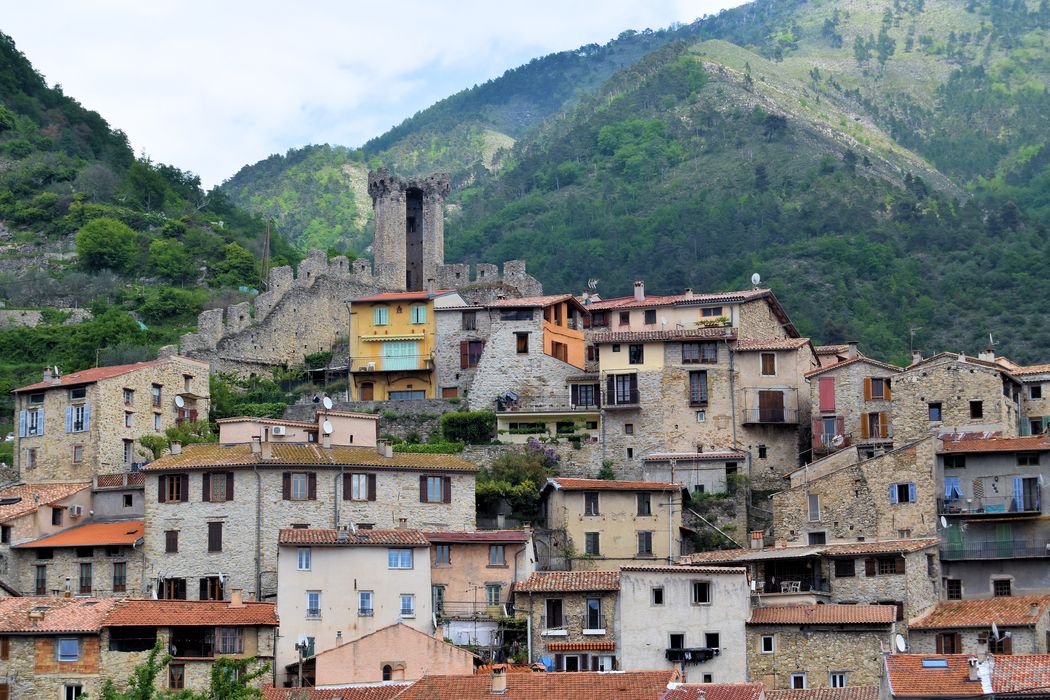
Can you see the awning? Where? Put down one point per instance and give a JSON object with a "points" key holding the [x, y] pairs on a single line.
{"points": [[380, 338], [581, 646]]}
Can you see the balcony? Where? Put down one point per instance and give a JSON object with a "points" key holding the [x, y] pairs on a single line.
{"points": [[469, 610], [402, 363], [771, 416], [622, 398], [691, 656], [990, 506], [1008, 549], [770, 406]]}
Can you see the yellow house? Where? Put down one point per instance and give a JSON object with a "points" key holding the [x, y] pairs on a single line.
{"points": [[392, 345]]}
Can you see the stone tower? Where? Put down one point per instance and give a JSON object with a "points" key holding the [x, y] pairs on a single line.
{"points": [[409, 243]]}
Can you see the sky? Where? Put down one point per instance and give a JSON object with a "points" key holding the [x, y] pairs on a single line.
{"points": [[213, 86]]}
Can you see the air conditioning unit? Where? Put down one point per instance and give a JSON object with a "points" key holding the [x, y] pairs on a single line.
{"points": [[371, 366], [279, 430], [76, 511]]}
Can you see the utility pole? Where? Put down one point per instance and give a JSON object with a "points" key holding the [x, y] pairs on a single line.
{"points": [[264, 270]]}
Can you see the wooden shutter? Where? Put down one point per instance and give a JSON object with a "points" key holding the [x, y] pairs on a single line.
{"points": [[184, 487], [464, 354], [214, 537], [4, 691], [840, 425], [229, 486], [584, 658], [371, 487], [610, 389], [867, 388], [162, 493], [286, 486], [574, 394], [957, 637], [826, 388], [206, 487], [204, 590], [869, 567], [886, 388], [898, 565], [940, 643], [5, 648], [347, 484], [634, 382], [1008, 646], [818, 431], [864, 425], [446, 489], [423, 489], [884, 424], [311, 485]]}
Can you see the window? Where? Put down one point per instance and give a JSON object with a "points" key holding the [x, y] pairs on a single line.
{"points": [[630, 453], [1035, 391], [522, 343], [902, 493], [625, 318], [129, 451], [128, 419], [845, 568], [399, 558], [708, 678], [657, 595], [516, 314], [408, 605], [84, 579], [364, 603], [976, 409], [584, 395], [698, 388], [874, 425], [554, 617], [211, 588], [34, 422], [645, 504], [701, 416], [699, 353], [30, 458], [157, 422], [649, 317], [762, 451], [701, 592], [214, 537], [174, 488], [953, 589], [798, 681], [493, 593], [419, 314], [591, 543], [616, 347], [676, 640], [814, 507], [442, 555], [934, 410], [635, 354], [594, 614], [769, 364], [948, 643], [67, 649], [231, 640], [173, 589], [78, 417], [300, 482], [711, 312], [470, 353], [1001, 587], [816, 538], [5, 534], [435, 489], [767, 644], [380, 316], [78, 454], [590, 503], [56, 515], [359, 487], [302, 559], [645, 543], [954, 461], [628, 428], [313, 603], [78, 394], [880, 388], [176, 676], [837, 679], [711, 640], [70, 691], [171, 541], [129, 500], [216, 486], [469, 320], [187, 383], [155, 394], [1028, 459], [40, 580], [497, 555]]}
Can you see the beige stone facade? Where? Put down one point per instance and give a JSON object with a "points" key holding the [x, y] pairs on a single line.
{"points": [[564, 630], [98, 571], [778, 653], [85, 423]]}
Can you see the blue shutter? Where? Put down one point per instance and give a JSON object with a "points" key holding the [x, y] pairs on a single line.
{"points": [[21, 423], [69, 419], [1018, 494], [911, 492], [952, 488], [893, 493], [87, 417], [40, 422]]}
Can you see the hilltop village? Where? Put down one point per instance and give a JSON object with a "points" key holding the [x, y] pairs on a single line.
{"points": [[731, 512]]}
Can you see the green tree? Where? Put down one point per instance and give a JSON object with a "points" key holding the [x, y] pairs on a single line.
{"points": [[861, 52], [142, 684], [168, 258], [147, 186], [236, 268], [108, 244]]}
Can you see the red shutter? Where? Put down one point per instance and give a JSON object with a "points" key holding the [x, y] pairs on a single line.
{"points": [[869, 567], [371, 487], [422, 489], [206, 487], [161, 491], [464, 354], [826, 386], [818, 432], [840, 425], [286, 486], [446, 489], [229, 486], [311, 485], [184, 490], [193, 415]]}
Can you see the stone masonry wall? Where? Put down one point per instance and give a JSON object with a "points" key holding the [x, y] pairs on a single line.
{"points": [[449, 333], [65, 566], [31, 318], [574, 607], [850, 403], [917, 587], [817, 652], [1024, 640]]}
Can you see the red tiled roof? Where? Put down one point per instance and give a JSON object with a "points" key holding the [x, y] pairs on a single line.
{"points": [[189, 613], [1021, 673], [719, 555], [756, 345], [126, 532], [209, 455], [365, 538], [842, 549], [88, 376], [695, 456], [567, 581], [908, 677], [830, 349], [32, 496], [713, 691], [632, 685], [998, 444], [566, 484], [484, 669], [651, 300], [1009, 611], [525, 302], [60, 615], [1030, 369], [581, 646], [480, 536], [358, 692], [880, 547], [672, 569], [859, 692], [400, 296], [824, 615], [717, 333], [853, 361]]}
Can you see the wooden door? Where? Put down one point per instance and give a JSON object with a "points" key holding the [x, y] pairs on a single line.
{"points": [[367, 391], [771, 406]]}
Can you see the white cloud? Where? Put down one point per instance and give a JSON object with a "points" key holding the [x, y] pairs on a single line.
{"points": [[212, 86]]}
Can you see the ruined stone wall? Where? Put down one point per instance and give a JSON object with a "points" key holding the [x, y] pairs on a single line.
{"points": [[390, 247], [485, 284], [817, 652], [31, 318]]}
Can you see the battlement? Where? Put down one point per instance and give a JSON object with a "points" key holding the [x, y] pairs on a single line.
{"points": [[483, 282]]}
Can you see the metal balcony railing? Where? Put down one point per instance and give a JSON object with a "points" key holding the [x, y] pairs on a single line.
{"points": [[771, 416], [379, 363], [470, 610], [989, 505], [1009, 549], [691, 656], [622, 397]]}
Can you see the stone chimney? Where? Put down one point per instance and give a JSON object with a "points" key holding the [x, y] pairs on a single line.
{"points": [[402, 524], [256, 445], [988, 355], [639, 290], [975, 670], [688, 293], [384, 449], [35, 616], [852, 350], [916, 357], [326, 441], [176, 448], [266, 451], [499, 680], [236, 598], [758, 539], [47, 374]]}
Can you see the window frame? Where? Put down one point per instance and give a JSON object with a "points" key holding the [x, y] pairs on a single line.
{"points": [[177, 676], [645, 504], [362, 611], [933, 407], [299, 486], [313, 612], [591, 503], [656, 596], [645, 537], [772, 646], [636, 353], [762, 358], [64, 657], [303, 559], [695, 588], [396, 558], [411, 611], [442, 555], [592, 543], [497, 555]]}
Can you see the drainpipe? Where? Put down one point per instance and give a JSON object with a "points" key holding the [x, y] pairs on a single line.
{"points": [[528, 629], [670, 518], [335, 495], [258, 532], [732, 397], [601, 415]]}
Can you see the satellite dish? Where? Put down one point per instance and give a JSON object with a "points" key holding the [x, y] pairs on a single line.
{"points": [[327, 403], [756, 278], [898, 641], [944, 522], [995, 631], [180, 402], [663, 321], [838, 441], [327, 427]]}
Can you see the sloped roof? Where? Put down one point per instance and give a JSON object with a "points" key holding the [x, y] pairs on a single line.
{"points": [[189, 613], [713, 691], [581, 646], [824, 615], [880, 546], [361, 538], [567, 484], [568, 581], [210, 455], [715, 556], [60, 615], [532, 302], [1021, 673], [909, 678], [479, 536], [998, 444], [673, 569], [88, 376], [853, 361], [32, 496], [394, 629], [401, 296], [587, 685], [383, 691], [629, 302], [841, 549], [124, 532], [1009, 611], [757, 344], [695, 456], [717, 333], [830, 349], [859, 692], [1030, 369]]}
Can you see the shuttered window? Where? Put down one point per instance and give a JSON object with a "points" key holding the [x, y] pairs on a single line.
{"points": [[214, 537], [401, 355], [359, 487], [380, 316], [419, 314]]}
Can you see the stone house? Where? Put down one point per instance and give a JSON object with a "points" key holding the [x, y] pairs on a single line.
{"points": [[336, 586], [965, 626], [472, 575], [1035, 396], [903, 573], [991, 497], [347, 429], [689, 618], [630, 685], [892, 496], [699, 373], [74, 426], [461, 333], [818, 646], [953, 393], [215, 511], [697, 472], [599, 524], [98, 559], [851, 404], [574, 618]]}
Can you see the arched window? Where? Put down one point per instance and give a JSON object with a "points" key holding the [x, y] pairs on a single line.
{"points": [[387, 672]]}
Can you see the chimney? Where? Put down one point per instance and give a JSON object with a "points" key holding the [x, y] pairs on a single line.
{"points": [[688, 293], [852, 350], [256, 445], [402, 523], [339, 637], [987, 355], [381, 447], [35, 616], [266, 451], [1033, 610], [758, 539], [639, 290], [47, 374], [975, 671], [326, 441], [176, 448], [342, 536], [236, 598], [388, 450], [916, 357], [499, 680]]}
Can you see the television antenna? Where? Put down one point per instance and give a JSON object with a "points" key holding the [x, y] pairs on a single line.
{"points": [[911, 334]]}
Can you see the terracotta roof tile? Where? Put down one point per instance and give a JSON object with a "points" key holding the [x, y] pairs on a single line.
{"points": [[860, 692], [568, 581], [363, 538], [718, 333], [909, 678], [720, 555], [842, 549], [651, 300], [480, 536], [1010, 611], [695, 456], [525, 302], [713, 691], [1030, 369], [880, 547], [189, 613], [209, 455], [672, 569], [830, 349], [853, 361], [32, 496], [126, 532], [566, 484], [60, 615], [88, 376], [998, 444], [359, 692], [824, 615], [633, 685], [771, 344], [1020, 673], [485, 669], [581, 646]]}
